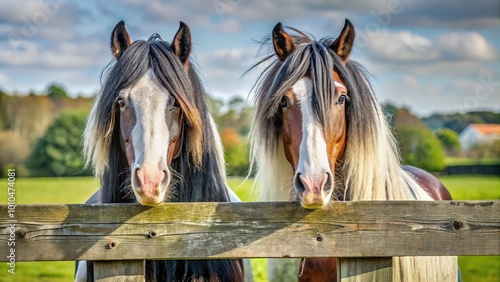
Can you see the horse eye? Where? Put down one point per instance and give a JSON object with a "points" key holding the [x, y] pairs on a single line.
{"points": [[176, 104], [284, 103], [120, 102], [341, 99]]}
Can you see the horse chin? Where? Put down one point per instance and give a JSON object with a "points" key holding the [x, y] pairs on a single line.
{"points": [[315, 203], [150, 201]]}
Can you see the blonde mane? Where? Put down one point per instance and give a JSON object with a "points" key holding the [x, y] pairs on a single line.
{"points": [[371, 168]]}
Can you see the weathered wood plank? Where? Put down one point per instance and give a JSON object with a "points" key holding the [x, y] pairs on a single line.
{"points": [[119, 271], [229, 230], [365, 269]]}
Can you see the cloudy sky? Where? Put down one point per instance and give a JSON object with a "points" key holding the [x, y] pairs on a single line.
{"points": [[432, 56]]}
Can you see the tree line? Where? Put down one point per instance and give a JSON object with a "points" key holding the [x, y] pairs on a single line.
{"points": [[40, 133]]}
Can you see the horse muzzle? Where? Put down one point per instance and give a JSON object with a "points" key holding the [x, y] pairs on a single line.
{"points": [[314, 192], [150, 184]]}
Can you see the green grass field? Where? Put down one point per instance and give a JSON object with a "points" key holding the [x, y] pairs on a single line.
{"points": [[476, 188], [77, 190], [473, 188]]}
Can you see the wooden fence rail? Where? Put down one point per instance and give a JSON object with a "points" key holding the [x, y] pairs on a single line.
{"points": [[249, 230]]}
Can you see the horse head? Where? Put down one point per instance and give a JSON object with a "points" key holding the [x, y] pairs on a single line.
{"points": [[145, 105], [313, 114]]}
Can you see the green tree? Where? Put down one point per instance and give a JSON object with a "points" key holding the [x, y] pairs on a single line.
{"points": [[420, 148], [237, 104], [58, 152], [458, 121], [235, 153], [14, 149], [56, 91], [418, 145], [449, 140], [215, 107], [489, 149]]}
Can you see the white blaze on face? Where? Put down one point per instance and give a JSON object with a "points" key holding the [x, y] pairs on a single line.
{"points": [[150, 103], [313, 160], [150, 138]]}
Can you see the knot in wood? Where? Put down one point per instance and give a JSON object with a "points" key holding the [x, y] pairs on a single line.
{"points": [[152, 234], [457, 224], [22, 233]]}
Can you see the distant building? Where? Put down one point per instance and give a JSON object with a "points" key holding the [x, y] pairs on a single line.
{"points": [[475, 133]]}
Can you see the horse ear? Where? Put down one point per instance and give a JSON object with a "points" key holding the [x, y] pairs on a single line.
{"points": [[282, 41], [181, 45], [343, 44], [120, 39]]}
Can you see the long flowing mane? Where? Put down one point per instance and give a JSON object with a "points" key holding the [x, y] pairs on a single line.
{"points": [[199, 169], [371, 167]]}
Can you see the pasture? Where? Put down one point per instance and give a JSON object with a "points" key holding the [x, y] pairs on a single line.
{"points": [[77, 190]]}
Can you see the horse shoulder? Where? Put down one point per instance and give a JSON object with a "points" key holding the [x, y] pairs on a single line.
{"points": [[429, 183]]}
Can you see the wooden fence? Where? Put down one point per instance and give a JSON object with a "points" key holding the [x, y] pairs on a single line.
{"points": [[489, 169], [350, 230]]}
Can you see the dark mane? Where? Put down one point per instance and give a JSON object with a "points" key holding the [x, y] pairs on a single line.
{"points": [[205, 184], [197, 178]]}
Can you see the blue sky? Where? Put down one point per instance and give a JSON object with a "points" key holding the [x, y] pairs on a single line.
{"points": [[432, 56]]}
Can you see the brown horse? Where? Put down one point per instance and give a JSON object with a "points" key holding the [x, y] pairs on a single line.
{"points": [[320, 136]]}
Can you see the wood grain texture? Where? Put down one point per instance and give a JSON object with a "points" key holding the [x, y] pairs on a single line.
{"points": [[119, 271], [253, 230]]}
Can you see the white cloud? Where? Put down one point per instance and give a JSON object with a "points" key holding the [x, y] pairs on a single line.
{"points": [[22, 55], [402, 46], [88, 53], [40, 13], [405, 46], [428, 13], [230, 25], [222, 70], [19, 13], [58, 33], [411, 82], [466, 45], [441, 91]]}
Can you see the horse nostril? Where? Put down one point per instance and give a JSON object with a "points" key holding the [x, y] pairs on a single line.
{"points": [[136, 176], [165, 179], [328, 183], [297, 183]]}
